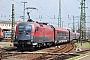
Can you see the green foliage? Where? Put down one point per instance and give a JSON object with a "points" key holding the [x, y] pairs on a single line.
{"points": [[84, 45], [5, 47]]}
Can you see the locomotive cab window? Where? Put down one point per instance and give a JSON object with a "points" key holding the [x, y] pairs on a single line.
{"points": [[20, 28], [28, 28]]}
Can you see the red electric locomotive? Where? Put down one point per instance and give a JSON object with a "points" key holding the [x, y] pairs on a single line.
{"points": [[33, 34]]}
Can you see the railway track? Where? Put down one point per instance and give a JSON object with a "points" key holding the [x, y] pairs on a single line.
{"points": [[47, 53], [60, 52], [3, 50], [66, 49]]}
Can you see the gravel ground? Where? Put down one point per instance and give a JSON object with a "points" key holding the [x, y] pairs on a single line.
{"points": [[33, 56], [22, 57]]}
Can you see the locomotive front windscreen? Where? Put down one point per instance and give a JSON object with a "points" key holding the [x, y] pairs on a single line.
{"points": [[26, 28], [24, 32]]}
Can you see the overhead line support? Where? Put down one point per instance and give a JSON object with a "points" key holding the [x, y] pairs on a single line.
{"points": [[59, 17], [83, 21], [13, 23], [24, 11]]}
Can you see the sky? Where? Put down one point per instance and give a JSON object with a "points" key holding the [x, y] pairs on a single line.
{"points": [[46, 11]]}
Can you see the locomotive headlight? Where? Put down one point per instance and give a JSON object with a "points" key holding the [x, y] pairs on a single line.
{"points": [[31, 37]]}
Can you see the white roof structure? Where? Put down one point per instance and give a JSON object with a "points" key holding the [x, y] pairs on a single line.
{"points": [[7, 24]]}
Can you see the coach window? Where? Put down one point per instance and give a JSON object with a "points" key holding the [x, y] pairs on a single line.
{"points": [[59, 33], [63, 34], [66, 34]]}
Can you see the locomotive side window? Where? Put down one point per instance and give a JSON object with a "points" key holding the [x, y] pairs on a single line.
{"points": [[37, 28]]}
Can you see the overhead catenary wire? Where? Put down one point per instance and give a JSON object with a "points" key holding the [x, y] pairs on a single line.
{"points": [[5, 9], [10, 3], [46, 15], [66, 11], [38, 11], [49, 5], [66, 8], [88, 5], [17, 2], [42, 8], [8, 11]]}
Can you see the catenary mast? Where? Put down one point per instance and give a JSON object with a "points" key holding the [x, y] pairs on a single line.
{"points": [[13, 23], [83, 21], [24, 11], [59, 16]]}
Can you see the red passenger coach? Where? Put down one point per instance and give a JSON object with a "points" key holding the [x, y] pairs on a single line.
{"points": [[62, 35]]}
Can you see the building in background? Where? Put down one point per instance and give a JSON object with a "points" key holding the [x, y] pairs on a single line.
{"points": [[6, 26]]}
